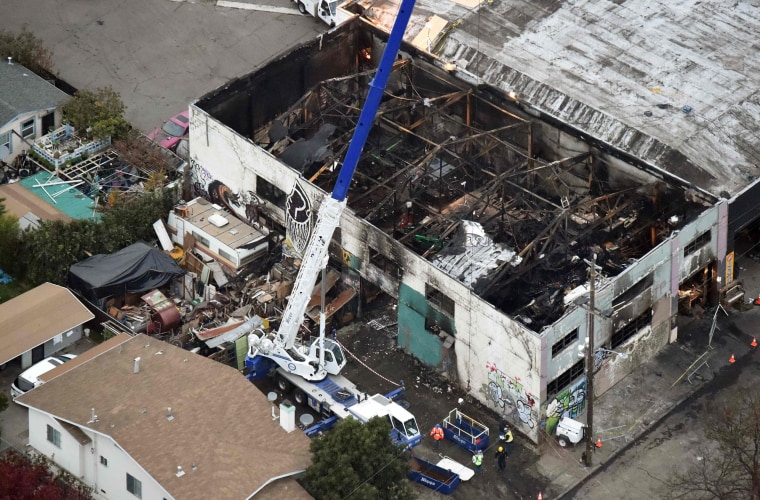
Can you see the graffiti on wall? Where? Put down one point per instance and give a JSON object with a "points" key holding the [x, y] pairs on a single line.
{"points": [[510, 397], [298, 223], [245, 205], [568, 403]]}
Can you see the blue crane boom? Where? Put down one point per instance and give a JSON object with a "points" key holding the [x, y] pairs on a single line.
{"points": [[371, 105], [325, 356]]}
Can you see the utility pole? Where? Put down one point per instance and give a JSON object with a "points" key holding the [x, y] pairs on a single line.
{"points": [[590, 365]]}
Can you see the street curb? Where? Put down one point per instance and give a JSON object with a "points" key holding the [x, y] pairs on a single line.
{"points": [[602, 466]]}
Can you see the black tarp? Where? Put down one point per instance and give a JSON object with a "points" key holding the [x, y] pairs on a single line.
{"points": [[135, 269]]}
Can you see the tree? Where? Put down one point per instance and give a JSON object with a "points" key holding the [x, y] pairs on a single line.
{"points": [[9, 240], [46, 253], [27, 49], [142, 153], [729, 461], [102, 111], [132, 219], [25, 478], [355, 460]]}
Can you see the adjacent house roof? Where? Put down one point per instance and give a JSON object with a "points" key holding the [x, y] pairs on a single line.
{"points": [[37, 316], [674, 84], [221, 422], [22, 91], [85, 356]]}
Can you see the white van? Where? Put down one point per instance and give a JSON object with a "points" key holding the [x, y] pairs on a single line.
{"points": [[30, 378]]}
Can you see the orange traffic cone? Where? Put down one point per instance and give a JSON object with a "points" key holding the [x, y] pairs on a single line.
{"points": [[598, 442], [540, 496], [732, 359], [754, 342]]}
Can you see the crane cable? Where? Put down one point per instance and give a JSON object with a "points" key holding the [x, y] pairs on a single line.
{"points": [[365, 365]]}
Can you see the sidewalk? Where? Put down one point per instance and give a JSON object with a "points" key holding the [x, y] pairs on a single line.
{"points": [[632, 407]]}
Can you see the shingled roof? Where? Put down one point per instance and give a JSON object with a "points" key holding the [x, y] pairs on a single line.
{"points": [[22, 91], [221, 422]]}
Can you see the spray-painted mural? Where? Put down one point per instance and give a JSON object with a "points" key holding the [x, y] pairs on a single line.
{"points": [[510, 397], [568, 403], [298, 222], [245, 205]]}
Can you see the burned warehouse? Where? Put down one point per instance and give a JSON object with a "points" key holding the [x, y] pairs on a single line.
{"points": [[472, 211]]}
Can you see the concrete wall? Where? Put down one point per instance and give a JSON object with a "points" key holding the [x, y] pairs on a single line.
{"points": [[83, 461]]}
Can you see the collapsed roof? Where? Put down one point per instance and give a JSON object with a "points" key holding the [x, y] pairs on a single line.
{"points": [[446, 161]]}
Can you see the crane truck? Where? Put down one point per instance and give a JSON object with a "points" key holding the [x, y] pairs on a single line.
{"points": [[313, 371]]}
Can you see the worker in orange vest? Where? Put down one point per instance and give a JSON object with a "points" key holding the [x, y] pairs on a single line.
{"points": [[437, 435]]}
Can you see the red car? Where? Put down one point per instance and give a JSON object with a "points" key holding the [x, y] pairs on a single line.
{"points": [[173, 130]]}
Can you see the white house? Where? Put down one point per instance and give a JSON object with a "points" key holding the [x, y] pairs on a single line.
{"points": [[146, 419], [28, 108]]}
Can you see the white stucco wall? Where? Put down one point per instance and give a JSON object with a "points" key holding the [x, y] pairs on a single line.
{"points": [[83, 461]]}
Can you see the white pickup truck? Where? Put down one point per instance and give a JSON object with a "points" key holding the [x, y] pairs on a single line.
{"points": [[30, 378], [326, 10]]}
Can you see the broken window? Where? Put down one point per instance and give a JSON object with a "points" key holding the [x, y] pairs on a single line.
{"points": [[697, 243], [565, 379], [384, 263], [631, 329], [270, 192], [439, 300], [564, 342], [634, 291]]}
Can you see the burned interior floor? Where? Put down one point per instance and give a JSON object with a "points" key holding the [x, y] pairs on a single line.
{"points": [[465, 178]]}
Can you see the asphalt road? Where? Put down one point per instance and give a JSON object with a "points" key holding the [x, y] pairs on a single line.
{"points": [[676, 443], [160, 55]]}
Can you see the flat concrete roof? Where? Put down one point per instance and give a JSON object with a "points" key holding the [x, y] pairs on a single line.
{"points": [[675, 84], [34, 317]]}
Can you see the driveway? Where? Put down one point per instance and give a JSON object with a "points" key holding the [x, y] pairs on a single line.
{"points": [[13, 421], [159, 55]]}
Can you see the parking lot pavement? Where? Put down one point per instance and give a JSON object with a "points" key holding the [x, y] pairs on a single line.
{"points": [[14, 424], [159, 55]]}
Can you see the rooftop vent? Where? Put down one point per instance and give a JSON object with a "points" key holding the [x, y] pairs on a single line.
{"points": [[218, 220], [137, 365], [180, 472], [169, 414], [93, 417]]}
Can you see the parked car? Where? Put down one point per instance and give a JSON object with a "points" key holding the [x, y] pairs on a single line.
{"points": [[30, 378], [172, 131]]}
